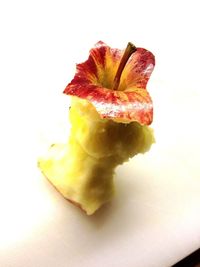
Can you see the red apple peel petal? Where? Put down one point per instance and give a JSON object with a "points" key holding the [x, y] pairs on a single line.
{"points": [[131, 102]]}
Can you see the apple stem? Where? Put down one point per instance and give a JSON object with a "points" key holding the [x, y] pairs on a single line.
{"points": [[130, 49]]}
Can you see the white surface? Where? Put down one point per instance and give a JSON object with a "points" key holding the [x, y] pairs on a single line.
{"points": [[154, 220]]}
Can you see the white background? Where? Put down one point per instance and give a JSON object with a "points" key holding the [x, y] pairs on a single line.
{"points": [[40, 42]]}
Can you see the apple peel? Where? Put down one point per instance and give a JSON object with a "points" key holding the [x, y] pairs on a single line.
{"points": [[94, 79]]}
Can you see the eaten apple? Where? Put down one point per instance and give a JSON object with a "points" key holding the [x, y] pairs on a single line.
{"points": [[110, 114]]}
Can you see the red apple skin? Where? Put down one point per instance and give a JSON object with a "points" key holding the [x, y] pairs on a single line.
{"points": [[93, 82]]}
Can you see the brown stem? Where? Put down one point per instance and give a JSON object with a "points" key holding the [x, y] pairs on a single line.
{"points": [[130, 49]]}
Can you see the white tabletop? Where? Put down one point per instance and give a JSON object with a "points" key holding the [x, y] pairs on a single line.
{"points": [[154, 219]]}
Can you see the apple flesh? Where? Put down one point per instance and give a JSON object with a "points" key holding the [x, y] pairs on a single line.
{"points": [[83, 170]]}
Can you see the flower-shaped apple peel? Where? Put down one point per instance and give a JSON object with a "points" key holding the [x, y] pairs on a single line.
{"points": [[110, 113], [115, 82]]}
